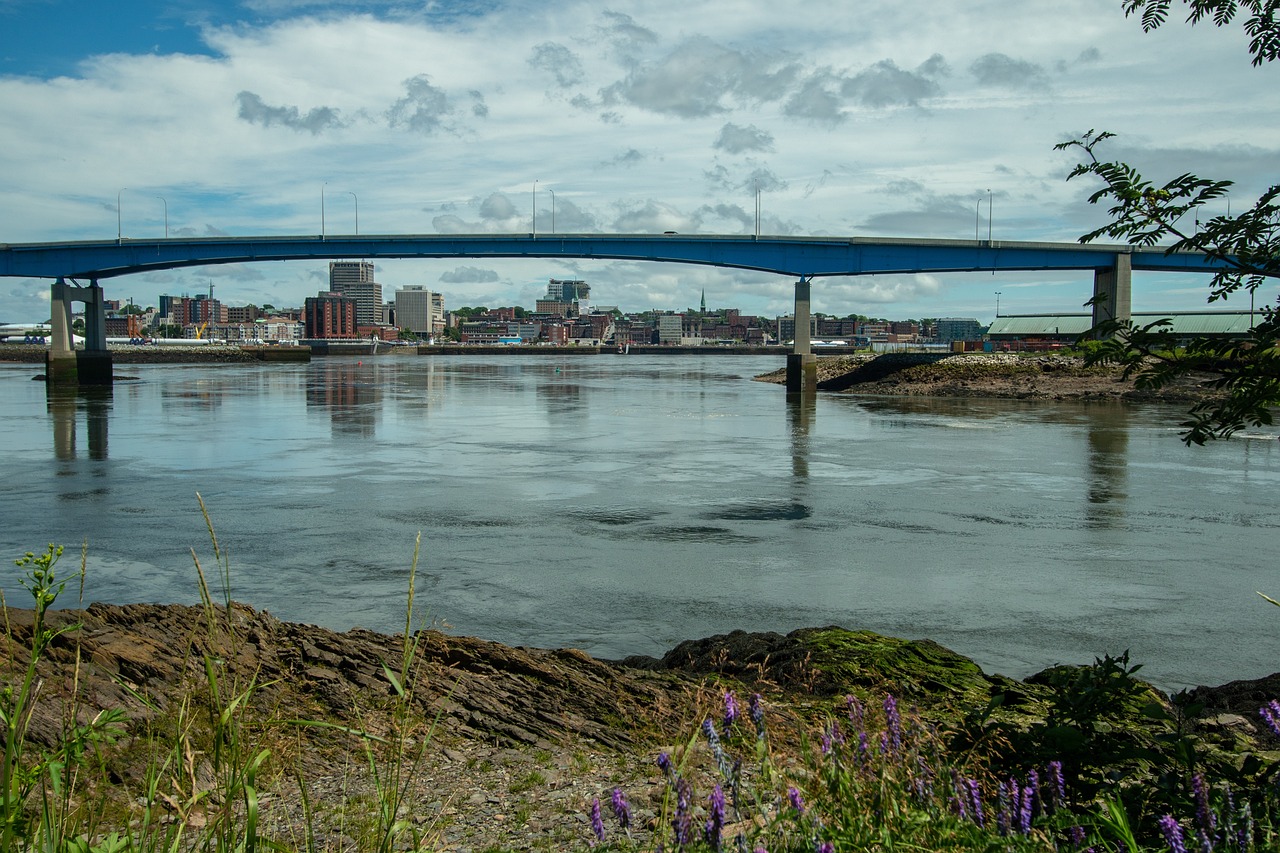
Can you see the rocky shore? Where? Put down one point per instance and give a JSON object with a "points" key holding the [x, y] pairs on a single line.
{"points": [[209, 354], [1050, 377], [519, 740]]}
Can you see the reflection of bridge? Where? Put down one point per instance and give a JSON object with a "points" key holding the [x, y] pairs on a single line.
{"points": [[804, 258]]}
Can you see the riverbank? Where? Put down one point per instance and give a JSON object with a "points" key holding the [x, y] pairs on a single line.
{"points": [[1005, 375], [517, 741]]}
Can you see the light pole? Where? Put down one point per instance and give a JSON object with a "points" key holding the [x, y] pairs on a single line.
{"points": [[976, 219], [553, 209], [997, 304], [989, 216], [166, 216], [357, 203], [535, 207], [119, 229], [322, 186]]}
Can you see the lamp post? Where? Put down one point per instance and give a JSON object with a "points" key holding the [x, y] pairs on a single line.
{"points": [[322, 186], [977, 208], [166, 216], [535, 207], [997, 303], [553, 209], [357, 204], [989, 216], [119, 229]]}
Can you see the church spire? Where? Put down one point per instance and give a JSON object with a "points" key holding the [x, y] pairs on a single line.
{"points": [[703, 307]]}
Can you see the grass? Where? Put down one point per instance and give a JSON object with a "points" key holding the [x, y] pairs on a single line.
{"points": [[870, 774]]}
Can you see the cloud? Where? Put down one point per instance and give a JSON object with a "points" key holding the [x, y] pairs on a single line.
{"points": [[884, 84], [630, 157], [998, 69], [736, 139], [700, 78], [498, 214], [625, 35], [653, 217], [756, 177], [558, 61], [818, 100], [255, 111], [422, 109], [468, 275]]}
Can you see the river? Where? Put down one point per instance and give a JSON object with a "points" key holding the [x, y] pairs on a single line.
{"points": [[621, 504]]}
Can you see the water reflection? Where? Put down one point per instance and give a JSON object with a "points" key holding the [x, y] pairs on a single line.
{"points": [[1108, 447], [800, 414], [65, 404], [351, 393]]}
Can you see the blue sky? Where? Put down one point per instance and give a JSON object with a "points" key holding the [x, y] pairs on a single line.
{"points": [[880, 119]]}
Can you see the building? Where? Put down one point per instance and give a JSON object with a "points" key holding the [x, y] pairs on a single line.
{"points": [[355, 279], [568, 290], [1030, 330], [670, 329], [419, 310], [958, 329], [329, 315], [787, 327]]}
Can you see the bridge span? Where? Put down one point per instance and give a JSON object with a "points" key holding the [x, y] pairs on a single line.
{"points": [[803, 258]]}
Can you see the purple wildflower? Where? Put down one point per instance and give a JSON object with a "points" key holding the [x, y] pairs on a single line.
{"points": [[1077, 836], [756, 711], [826, 847], [760, 848], [621, 809], [1270, 714], [1002, 811], [1057, 784], [664, 763], [1029, 802], [893, 722], [855, 711], [731, 710], [864, 749], [1172, 834], [1204, 816], [1244, 830], [975, 800], [715, 822], [684, 813], [797, 801], [713, 740], [597, 825]]}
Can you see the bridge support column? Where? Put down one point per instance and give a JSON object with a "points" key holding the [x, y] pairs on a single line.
{"points": [[1113, 291], [64, 365], [802, 364]]}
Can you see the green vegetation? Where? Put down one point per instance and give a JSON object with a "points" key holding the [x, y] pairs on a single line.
{"points": [[1246, 373]]}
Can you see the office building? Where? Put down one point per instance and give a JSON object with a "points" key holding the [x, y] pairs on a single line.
{"points": [[355, 280]]}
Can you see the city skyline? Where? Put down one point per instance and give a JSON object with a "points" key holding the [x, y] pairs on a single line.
{"points": [[903, 120]]}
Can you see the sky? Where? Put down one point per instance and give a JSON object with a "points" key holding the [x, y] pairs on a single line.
{"points": [[880, 118]]}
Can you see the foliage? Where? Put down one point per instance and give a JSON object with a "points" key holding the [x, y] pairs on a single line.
{"points": [[1261, 25], [1245, 375]]}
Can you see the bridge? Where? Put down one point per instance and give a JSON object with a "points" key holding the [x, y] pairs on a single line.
{"points": [[802, 258]]}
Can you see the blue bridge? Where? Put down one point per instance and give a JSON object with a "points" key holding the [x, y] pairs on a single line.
{"points": [[79, 267]]}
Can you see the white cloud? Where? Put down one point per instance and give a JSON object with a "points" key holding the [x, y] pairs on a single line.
{"points": [[652, 117]]}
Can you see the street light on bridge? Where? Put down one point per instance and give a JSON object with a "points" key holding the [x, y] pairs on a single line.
{"points": [[119, 229], [166, 215], [553, 209], [357, 203]]}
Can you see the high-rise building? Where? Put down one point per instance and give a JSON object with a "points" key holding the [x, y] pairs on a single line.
{"points": [[330, 315], [419, 310], [355, 279], [568, 290]]}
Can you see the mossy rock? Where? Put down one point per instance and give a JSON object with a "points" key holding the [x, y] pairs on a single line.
{"points": [[920, 670]]}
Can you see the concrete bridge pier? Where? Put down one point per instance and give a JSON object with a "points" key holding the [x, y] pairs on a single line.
{"points": [[802, 364], [64, 365], [1113, 291]]}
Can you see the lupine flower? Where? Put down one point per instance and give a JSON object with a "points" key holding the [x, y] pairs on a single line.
{"points": [[893, 721], [715, 822], [1028, 802], [975, 800], [1057, 784], [855, 711], [731, 711], [621, 809], [826, 847], [1270, 713], [864, 749], [664, 763], [1172, 834], [597, 825], [797, 801], [1204, 816], [1002, 810], [756, 711], [1077, 836], [684, 814], [713, 740]]}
